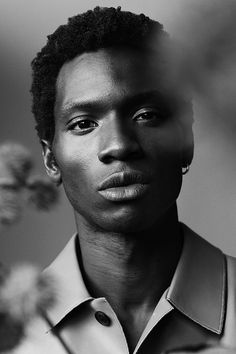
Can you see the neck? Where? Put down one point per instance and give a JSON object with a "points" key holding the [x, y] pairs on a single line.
{"points": [[115, 265]]}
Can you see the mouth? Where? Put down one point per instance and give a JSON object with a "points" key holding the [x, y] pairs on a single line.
{"points": [[124, 186]]}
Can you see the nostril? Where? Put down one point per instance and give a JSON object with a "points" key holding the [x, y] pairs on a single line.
{"points": [[105, 158]]}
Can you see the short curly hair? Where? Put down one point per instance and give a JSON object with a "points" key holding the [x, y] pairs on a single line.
{"points": [[86, 32]]}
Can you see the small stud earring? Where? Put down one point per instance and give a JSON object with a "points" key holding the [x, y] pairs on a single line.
{"points": [[185, 169]]}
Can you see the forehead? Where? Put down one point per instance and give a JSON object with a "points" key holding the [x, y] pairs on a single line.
{"points": [[103, 71]]}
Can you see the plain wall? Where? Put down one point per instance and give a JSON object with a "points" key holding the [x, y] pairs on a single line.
{"points": [[208, 198]]}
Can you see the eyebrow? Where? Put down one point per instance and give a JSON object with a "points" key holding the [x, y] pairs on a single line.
{"points": [[101, 104]]}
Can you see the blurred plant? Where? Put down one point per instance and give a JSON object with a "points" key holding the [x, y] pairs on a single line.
{"points": [[10, 206], [24, 294], [18, 187], [17, 160]]}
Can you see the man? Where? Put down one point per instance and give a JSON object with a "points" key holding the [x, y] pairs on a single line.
{"points": [[133, 279]]}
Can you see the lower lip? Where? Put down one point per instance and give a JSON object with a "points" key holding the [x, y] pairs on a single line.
{"points": [[130, 192]]}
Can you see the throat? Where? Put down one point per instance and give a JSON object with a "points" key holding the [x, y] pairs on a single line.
{"points": [[131, 271], [127, 270], [134, 323]]}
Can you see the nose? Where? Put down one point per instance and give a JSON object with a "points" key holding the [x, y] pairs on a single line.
{"points": [[118, 142]]}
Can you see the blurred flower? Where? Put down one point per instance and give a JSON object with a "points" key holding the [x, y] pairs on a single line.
{"points": [[24, 293], [17, 185], [10, 205], [17, 159], [43, 193]]}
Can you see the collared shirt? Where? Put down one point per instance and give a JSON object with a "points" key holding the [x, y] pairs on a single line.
{"points": [[191, 311]]}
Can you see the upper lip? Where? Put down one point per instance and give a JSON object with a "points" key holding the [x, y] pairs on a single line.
{"points": [[124, 178]]}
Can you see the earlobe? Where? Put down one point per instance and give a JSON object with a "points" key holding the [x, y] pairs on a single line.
{"points": [[187, 156], [50, 163], [188, 146]]}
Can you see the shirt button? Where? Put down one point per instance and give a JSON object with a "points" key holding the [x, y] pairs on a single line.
{"points": [[102, 318]]}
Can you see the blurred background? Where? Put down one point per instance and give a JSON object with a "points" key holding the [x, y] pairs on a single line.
{"points": [[208, 199]]}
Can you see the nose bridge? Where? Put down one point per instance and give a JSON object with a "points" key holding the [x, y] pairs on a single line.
{"points": [[117, 130], [118, 139]]}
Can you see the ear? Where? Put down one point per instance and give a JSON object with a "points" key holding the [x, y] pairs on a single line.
{"points": [[50, 163]]}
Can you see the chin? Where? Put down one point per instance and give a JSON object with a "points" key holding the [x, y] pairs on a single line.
{"points": [[124, 227], [127, 220]]}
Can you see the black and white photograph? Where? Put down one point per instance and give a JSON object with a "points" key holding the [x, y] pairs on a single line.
{"points": [[118, 177]]}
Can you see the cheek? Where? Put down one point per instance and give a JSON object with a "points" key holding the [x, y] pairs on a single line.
{"points": [[74, 162], [77, 180], [165, 150], [165, 146]]}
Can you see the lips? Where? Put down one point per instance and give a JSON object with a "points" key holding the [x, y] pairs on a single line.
{"points": [[123, 186]]}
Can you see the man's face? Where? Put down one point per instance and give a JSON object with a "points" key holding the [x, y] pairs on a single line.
{"points": [[118, 149]]}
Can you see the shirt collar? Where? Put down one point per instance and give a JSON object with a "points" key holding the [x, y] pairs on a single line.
{"points": [[70, 288], [197, 288]]}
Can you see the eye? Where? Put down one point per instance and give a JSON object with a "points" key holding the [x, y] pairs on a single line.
{"points": [[153, 116], [82, 126]]}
